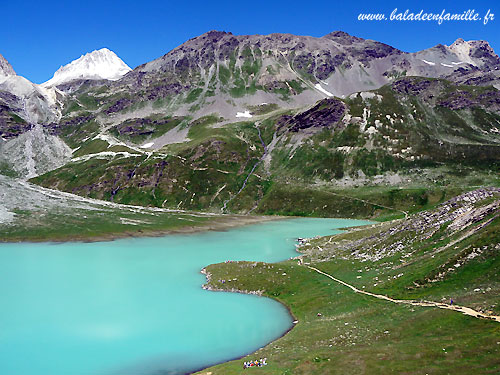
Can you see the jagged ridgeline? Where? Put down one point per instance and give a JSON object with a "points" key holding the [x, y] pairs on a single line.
{"points": [[278, 124]]}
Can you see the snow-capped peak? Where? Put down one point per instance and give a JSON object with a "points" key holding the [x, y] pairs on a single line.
{"points": [[5, 68], [99, 64]]}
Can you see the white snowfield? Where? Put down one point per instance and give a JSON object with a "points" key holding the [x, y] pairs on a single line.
{"points": [[327, 93], [429, 62], [99, 64], [245, 114], [105, 155]]}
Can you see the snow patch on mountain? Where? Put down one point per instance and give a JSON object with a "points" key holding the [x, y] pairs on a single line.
{"points": [[99, 64], [245, 114], [428, 62], [327, 93]]}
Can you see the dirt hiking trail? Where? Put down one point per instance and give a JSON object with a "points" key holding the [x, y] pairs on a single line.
{"points": [[462, 309]]}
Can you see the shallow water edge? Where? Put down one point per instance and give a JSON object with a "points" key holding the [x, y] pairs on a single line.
{"points": [[218, 224]]}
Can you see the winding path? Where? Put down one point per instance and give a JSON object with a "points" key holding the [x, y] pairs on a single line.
{"points": [[462, 309]]}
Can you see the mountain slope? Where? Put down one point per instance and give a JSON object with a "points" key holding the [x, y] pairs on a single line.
{"points": [[414, 132], [95, 65], [253, 113], [26, 149], [234, 75], [413, 121], [23, 103]]}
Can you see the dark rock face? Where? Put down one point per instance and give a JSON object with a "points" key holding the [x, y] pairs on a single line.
{"points": [[9, 99], [490, 100], [304, 63], [480, 80], [482, 50], [11, 123], [322, 65], [227, 47], [327, 113], [343, 38], [440, 93], [52, 128], [73, 122], [441, 48], [411, 86], [119, 105], [459, 100], [371, 50], [163, 91], [140, 126]]}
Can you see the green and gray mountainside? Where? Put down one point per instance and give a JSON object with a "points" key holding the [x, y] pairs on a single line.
{"points": [[277, 124]]}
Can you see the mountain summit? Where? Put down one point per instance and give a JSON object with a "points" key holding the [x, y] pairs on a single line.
{"points": [[5, 68], [99, 64]]}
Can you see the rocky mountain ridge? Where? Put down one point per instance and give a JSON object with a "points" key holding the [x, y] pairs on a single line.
{"points": [[221, 72], [5, 68], [224, 116]]}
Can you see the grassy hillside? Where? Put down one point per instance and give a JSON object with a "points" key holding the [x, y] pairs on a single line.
{"points": [[449, 252], [32, 213], [401, 148]]}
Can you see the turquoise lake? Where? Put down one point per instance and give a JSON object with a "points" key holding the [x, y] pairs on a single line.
{"points": [[135, 306]]}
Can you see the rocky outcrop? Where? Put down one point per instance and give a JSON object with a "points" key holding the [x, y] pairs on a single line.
{"points": [[404, 236], [5, 68], [412, 85], [326, 114]]}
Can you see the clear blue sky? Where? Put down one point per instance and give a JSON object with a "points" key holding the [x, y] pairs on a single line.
{"points": [[37, 37]]}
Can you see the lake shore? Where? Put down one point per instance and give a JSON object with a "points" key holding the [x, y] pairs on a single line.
{"points": [[212, 223], [361, 305], [209, 287]]}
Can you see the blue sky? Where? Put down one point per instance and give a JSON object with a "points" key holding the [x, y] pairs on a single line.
{"points": [[38, 36]]}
